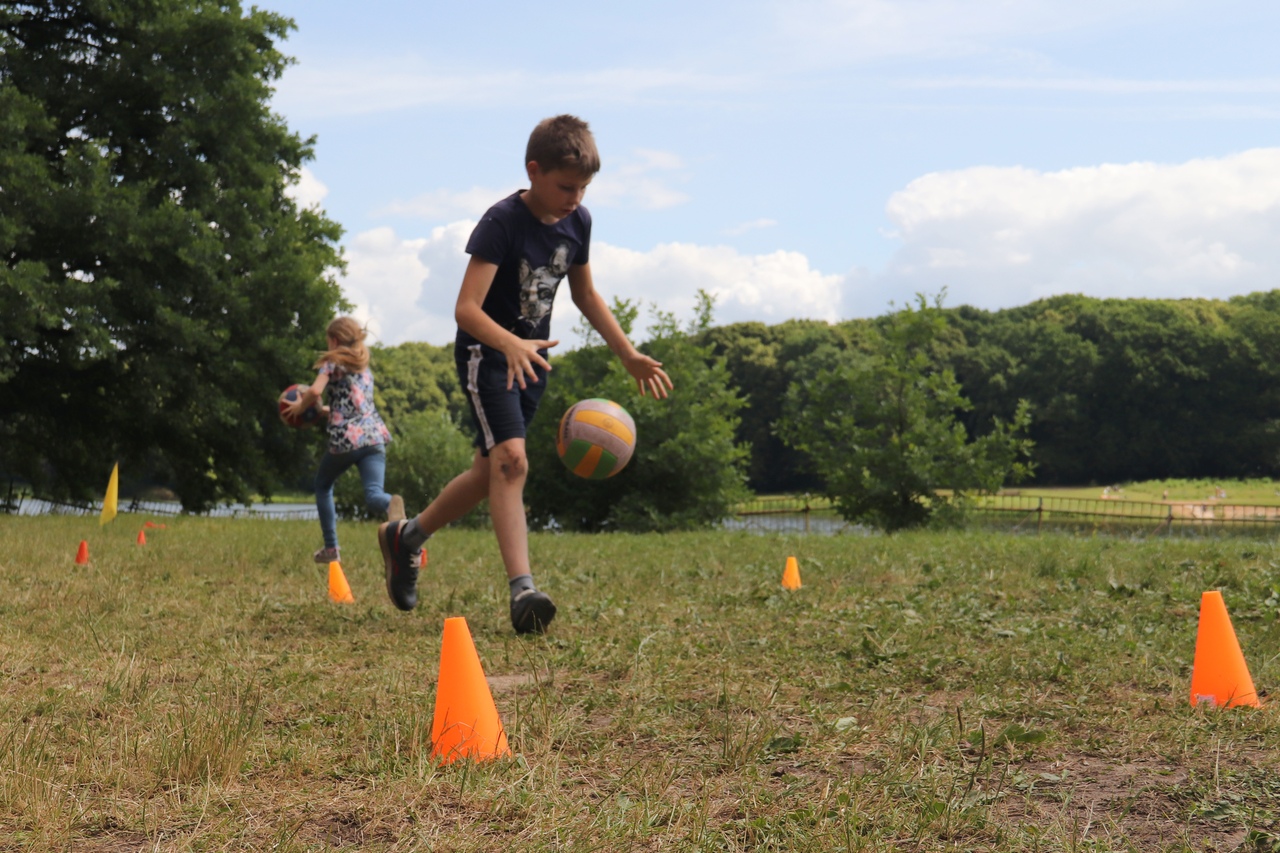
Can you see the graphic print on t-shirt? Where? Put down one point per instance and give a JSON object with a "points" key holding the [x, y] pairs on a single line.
{"points": [[538, 285]]}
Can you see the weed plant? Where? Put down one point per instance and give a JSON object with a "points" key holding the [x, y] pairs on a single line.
{"points": [[926, 691]]}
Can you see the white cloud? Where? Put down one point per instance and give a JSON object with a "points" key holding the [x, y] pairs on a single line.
{"points": [[998, 237], [309, 191], [384, 277], [636, 181], [407, 288], [770, 287], [447, 204]]}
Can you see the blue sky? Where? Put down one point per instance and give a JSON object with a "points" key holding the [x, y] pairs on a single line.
{"points": [[817, 158]]}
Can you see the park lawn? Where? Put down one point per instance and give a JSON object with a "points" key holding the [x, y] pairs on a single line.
{"points": [[931, 691]]}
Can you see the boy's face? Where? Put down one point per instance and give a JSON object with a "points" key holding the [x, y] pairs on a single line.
{"points": [[554, 194]]}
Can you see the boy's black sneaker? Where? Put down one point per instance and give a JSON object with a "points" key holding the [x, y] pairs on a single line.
{"points": [[532, 611], [402, 565]]}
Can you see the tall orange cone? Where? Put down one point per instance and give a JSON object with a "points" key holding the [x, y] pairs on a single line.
{"points": [[1219, 674], [791, 574], [82, 553], [142, 537], [339, 589], [466, 723]]}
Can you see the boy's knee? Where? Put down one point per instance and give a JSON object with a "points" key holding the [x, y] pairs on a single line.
{"points": [[510, 462]]}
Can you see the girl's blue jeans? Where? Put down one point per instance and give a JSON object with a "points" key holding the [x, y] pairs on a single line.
{"points": [[372, 464]]}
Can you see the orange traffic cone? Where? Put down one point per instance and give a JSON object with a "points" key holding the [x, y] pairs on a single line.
{"points": [[791, 574], [466, 723], [82, 553], [1219, 674], [339, 589], [142, 537]]}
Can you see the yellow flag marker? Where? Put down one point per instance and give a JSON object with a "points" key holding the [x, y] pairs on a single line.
{"points": [[113, 496]]}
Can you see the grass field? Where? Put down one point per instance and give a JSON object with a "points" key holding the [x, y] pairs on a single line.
{"points": [[933, 691]]}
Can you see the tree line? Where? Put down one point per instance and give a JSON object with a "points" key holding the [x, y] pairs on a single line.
{"points": [[1065, 390], [1118, 390]]}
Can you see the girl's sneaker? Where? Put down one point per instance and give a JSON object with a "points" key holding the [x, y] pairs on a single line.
{"points": [[325, 556]]}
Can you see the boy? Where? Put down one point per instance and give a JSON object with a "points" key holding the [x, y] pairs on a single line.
{"points": [[521, 249]]}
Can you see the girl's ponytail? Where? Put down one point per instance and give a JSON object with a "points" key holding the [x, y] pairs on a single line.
{"points": [[350, 352]]}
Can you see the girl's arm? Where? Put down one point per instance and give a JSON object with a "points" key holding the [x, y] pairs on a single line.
{"points": [[647, 371], [310, 397]]}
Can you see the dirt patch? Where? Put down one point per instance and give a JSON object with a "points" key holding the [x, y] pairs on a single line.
{"points": [[1095, 799], [116, 842], [507, 683]]}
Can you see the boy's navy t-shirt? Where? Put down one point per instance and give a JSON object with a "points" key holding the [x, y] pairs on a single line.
{"points": [[532, 258]]}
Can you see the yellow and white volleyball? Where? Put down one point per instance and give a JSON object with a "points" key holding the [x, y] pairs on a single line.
{"points": [[596, 438]]}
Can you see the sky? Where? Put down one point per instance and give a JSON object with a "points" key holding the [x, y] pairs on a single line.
{"points": [[823, 159]]}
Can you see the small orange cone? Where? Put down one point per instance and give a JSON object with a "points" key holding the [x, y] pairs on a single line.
{"points": [[466, 723], [1219, 674], [339, 589], [153, 525], [791, 574], [142, 537], [82, 553]]}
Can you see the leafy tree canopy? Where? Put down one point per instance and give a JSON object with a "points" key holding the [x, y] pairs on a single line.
{"points": [[688, 469], [158, 285], [879, 426]]}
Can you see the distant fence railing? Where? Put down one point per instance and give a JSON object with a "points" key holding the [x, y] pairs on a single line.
{"points": [[1041, 510], [815, 514], [788, 513], [25, 505]]}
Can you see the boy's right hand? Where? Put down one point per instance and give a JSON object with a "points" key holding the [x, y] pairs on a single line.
{"points": [[522, 356]]}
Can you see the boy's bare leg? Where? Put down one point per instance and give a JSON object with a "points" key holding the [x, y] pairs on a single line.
{"points": [[459, 497], [508, 468]]}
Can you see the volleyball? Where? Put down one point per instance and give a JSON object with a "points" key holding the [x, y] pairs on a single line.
{"points": [[596, 438], [309, 415]]}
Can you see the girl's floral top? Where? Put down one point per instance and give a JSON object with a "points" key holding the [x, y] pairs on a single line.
{"points": [[353, 421]]}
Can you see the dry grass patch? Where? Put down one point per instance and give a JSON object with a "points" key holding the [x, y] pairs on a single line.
{"points": [[937, 691]]}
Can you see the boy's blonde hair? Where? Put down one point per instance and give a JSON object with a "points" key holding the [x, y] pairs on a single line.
{"points": [[351, 353], [563, 142]]}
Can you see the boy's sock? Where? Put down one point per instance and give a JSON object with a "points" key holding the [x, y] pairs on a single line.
{"points": [[412, 535], [521, 584]]}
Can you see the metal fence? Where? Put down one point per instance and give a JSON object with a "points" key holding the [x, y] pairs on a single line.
{"points": [[790, 514], [814, 514], [1028, 510], [23, 505]]}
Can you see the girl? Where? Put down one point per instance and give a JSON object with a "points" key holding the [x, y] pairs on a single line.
{"points": [[357, 435]]}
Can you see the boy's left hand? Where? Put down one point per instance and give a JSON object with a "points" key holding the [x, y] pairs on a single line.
{"points": [[649, 375]]}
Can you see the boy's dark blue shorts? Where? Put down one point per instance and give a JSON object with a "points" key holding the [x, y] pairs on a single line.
{"points": [[499, 414]]}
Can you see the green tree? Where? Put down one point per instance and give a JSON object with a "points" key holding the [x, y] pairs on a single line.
{"points": [[417, 377], [687, 470], [159, 286], [762, 360], [880, 426], [1129, 389]]}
